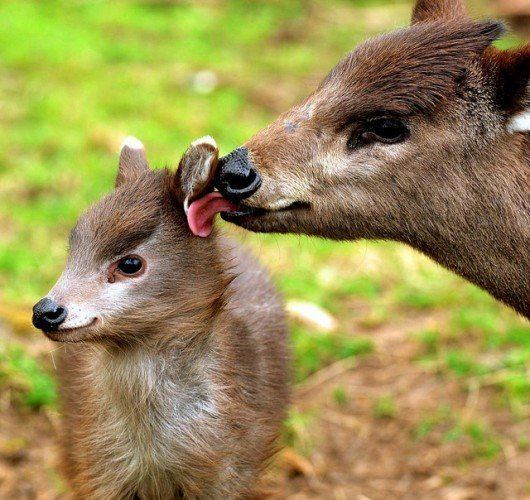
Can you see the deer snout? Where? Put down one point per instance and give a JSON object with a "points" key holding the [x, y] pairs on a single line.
{"points": [[237, 177], [48, 315]]}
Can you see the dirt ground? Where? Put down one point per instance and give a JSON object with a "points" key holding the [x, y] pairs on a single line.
{"points": [[359, 456], [352, 453]]}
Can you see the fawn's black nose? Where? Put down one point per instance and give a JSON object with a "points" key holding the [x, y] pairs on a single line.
{"points": [[48, 315], [236, 177]]}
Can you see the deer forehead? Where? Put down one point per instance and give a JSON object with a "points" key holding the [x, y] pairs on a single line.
{"points": [[299, 116], [407, 71], [120, 221]]}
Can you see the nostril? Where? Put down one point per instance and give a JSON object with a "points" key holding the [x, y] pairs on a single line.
{"points": [[55, 315], [240, 180], [48, 315], [237, 178]]}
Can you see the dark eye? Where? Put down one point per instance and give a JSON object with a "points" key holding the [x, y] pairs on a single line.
{"points": [[387, 130], [130, 265]]}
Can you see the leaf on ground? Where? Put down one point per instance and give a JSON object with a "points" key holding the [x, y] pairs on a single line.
{"points": [[312, 315]]}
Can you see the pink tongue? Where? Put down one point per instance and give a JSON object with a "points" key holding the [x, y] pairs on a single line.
{"points": [[202, 212]]}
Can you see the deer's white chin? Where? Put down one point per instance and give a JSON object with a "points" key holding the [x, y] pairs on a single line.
{"points": [[75, 333], [77, 325]]}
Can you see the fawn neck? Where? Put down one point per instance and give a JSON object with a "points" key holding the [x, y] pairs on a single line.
{"points": [[166, 359], [154, 375]]}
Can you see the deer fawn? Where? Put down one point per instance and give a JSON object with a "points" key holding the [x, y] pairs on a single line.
{"points": [[174, 373], [420, 136]]}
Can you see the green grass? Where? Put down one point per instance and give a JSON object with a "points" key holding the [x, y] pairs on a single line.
{"points": [[385, 407], [313, 350], [483, 442], [296, 431], [447, 425], [486, 345], [22, 375], [340, 396]]}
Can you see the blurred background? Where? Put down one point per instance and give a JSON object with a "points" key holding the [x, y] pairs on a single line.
{"points": [[409, 381]]}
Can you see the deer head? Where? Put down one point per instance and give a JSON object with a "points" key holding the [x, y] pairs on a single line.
{"points": [[389, 135], [134, 267]]}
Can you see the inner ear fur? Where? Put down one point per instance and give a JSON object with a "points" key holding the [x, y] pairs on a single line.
{"points": [[511, 73], [196, 171], [439, 10], [133, 161]]}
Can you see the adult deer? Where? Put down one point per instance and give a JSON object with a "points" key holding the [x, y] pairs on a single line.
{"points": [[419, 136]]}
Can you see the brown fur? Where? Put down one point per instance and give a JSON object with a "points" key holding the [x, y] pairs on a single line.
{"points": [[457, 188], [509, 70], [180, 388], [448, 10]]}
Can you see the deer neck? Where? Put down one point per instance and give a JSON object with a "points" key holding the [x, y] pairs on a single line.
{"points": [[146, 373], [478, 222]]}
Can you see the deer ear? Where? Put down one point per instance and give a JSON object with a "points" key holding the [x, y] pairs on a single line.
{"points": [[196, 171], [133, 161], [438, 10], [513, 85]]}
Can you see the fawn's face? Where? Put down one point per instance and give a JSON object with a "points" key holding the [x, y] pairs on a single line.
{"points": [[395, 118], [133, 263]]}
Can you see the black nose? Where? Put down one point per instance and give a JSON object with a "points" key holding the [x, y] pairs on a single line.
{"points": [[48, 315], [236, 177]]}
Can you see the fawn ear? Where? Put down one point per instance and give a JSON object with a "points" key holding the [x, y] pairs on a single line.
{"points": [[512, 68], [439, 10], [133, 161], [196, 171]]}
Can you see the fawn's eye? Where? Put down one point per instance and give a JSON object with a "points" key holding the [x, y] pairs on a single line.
{"points": [[385, 130], [130, 265]]}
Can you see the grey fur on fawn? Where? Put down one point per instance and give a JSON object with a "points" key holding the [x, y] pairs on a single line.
{"points": [[174, 373]]}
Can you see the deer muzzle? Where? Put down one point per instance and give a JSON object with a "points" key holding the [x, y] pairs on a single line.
{"points": [[237, 178], [48, 315]]}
